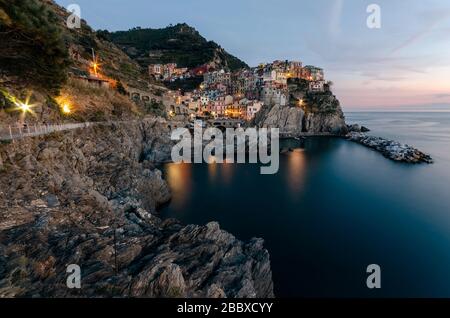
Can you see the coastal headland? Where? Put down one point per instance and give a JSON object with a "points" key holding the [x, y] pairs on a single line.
{"points": [[81, 145]]}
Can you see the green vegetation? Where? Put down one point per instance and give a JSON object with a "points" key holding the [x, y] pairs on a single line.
{"points": [[128, 69], [186, 85], [156, 108], [4, 101], [313, 102], [298, 84], [32, 48], [120, 88], [322, 103], [180, 44]]}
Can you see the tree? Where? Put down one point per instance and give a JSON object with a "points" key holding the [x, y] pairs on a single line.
{"points": [[156, 108], [120, 88], [32, 47], [103, 34]]}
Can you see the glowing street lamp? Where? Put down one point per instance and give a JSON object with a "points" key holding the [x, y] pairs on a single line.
{"points": [[95, 66], [25, 107], [66, 109], [65, 104]]}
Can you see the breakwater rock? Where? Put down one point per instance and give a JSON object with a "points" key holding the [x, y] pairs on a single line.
{"points": [[390, 149]]}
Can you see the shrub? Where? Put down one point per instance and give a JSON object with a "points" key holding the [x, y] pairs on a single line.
{"points": [[32, 48]]}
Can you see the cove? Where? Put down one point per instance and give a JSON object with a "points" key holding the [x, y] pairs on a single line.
{"points": [[333, 208]]}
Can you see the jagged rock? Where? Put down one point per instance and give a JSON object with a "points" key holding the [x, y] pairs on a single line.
{"points": [[90, 197], [357, 128], [333, 123], [287, 119], [364, 129], [354, 128], [52, 200], [38, 203], [215, 291]]}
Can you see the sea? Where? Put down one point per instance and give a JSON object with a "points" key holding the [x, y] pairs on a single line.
{"points": [[336, 207]]}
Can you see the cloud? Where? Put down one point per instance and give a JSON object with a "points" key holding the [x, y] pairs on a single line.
{"points": [[335, 19], [433, 19], [442, 96], [373, 76]]}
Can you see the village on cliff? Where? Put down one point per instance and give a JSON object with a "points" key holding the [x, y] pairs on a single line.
{"points": [[237, 95]]}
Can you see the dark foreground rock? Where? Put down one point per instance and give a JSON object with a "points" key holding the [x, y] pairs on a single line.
{"points": [[391, 149], [90, 198]]}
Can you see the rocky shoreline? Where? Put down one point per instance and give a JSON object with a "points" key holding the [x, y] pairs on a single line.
{"points": [[390, 149], [90, 197]]}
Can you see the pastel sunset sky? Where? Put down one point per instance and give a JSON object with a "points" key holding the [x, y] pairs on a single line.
{"points": [[404, 65]]}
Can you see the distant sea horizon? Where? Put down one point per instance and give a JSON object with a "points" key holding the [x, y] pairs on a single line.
{"points": [[395, 110]]}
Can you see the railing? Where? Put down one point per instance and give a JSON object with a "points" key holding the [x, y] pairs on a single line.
{"points": [[30, 130], [15, 132]]}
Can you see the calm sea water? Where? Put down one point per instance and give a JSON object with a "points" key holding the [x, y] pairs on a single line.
{"points": [[335, 207]]}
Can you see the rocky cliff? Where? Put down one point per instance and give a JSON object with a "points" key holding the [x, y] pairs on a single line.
{"points": [[287, 119], [305, 112], [89, 197]]}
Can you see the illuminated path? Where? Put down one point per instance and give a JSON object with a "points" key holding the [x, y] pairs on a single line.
{"points": [[16, 132], [31, 130]]}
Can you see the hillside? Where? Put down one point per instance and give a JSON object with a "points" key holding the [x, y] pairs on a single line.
{"points": [[114, 62], [181, 44], [43, 59]]}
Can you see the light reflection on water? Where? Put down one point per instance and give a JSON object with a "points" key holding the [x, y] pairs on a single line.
{"points": [[227, 172], [335, 207], [179, 177], [212, 172], [297, 169]]}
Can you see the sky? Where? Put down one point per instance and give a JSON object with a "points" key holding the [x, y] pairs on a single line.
{"points": [[403, 65]]}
